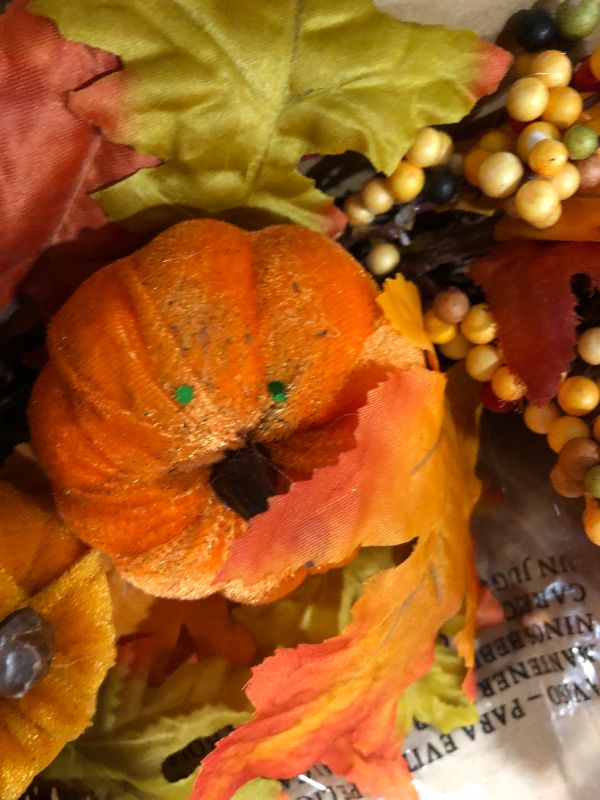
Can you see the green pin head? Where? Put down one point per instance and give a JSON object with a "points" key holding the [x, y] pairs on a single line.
{"points": [[277, 391], [184, 394]]}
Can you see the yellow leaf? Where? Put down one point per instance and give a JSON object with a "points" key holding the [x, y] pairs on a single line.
{"points": [[139, 743], [319, 608], [438, 698], [401, 305], [232, 95]]}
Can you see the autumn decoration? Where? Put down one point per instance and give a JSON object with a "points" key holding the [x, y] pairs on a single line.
{"points": [[261, 270]]}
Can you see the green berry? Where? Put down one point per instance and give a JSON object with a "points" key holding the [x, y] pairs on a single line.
{"points": [[577, 21], [592, 481], [581, 141]]}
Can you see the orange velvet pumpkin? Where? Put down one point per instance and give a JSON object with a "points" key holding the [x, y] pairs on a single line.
{"points": [[160, 363]]}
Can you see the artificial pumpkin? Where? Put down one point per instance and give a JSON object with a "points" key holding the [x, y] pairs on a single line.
{"points": [[55, 626], [208, 340]]}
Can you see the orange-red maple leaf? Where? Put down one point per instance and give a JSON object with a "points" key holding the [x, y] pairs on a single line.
{"points": [[50, 161]]}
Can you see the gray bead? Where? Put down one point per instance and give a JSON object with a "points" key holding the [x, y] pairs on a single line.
{"points": [[26, 650]]}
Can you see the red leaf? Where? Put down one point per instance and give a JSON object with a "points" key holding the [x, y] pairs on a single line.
{"points": [[50, 161], [528, 287]]}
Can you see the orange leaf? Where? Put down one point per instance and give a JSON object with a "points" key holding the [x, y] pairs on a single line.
{"points": [[175, 631], [361, 500], [339, 708]]}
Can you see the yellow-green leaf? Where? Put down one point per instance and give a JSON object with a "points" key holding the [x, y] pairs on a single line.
{"points": [[319, 608], [438, 698], [232, 95], [260, 789], [137, 727], [401, 304]]}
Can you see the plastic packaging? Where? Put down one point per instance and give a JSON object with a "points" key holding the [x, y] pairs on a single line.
{"points": [[538, 678]]}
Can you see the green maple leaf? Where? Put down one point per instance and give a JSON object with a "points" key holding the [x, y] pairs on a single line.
{"points": [[230, 95]]}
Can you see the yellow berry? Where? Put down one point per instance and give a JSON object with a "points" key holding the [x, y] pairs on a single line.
{"points": [[578, 396], [527, 98], [482, 362], [549, 221], [564, 107], [447, 149], [507, 386], [427, 148], [522, 64], [532, 134], [536, 200], [566, 181], [473, 161], [383, 257], [548, 157], [478, 327], [500, 174], [406, 181], [563, 429], [376, 196], [552, 68], [588, 346], [456, 348], [439, 332], [497, 140], [451, 305], [356, 212], [539, 418]]}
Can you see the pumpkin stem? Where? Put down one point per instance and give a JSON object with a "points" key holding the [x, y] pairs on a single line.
{"points": [[245, 479]]}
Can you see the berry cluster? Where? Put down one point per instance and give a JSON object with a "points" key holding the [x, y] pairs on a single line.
{"points": [[425, 170], [570, 422], [525, 168], [465, 331], [530, 164], [542, 149], [431, 149]]}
